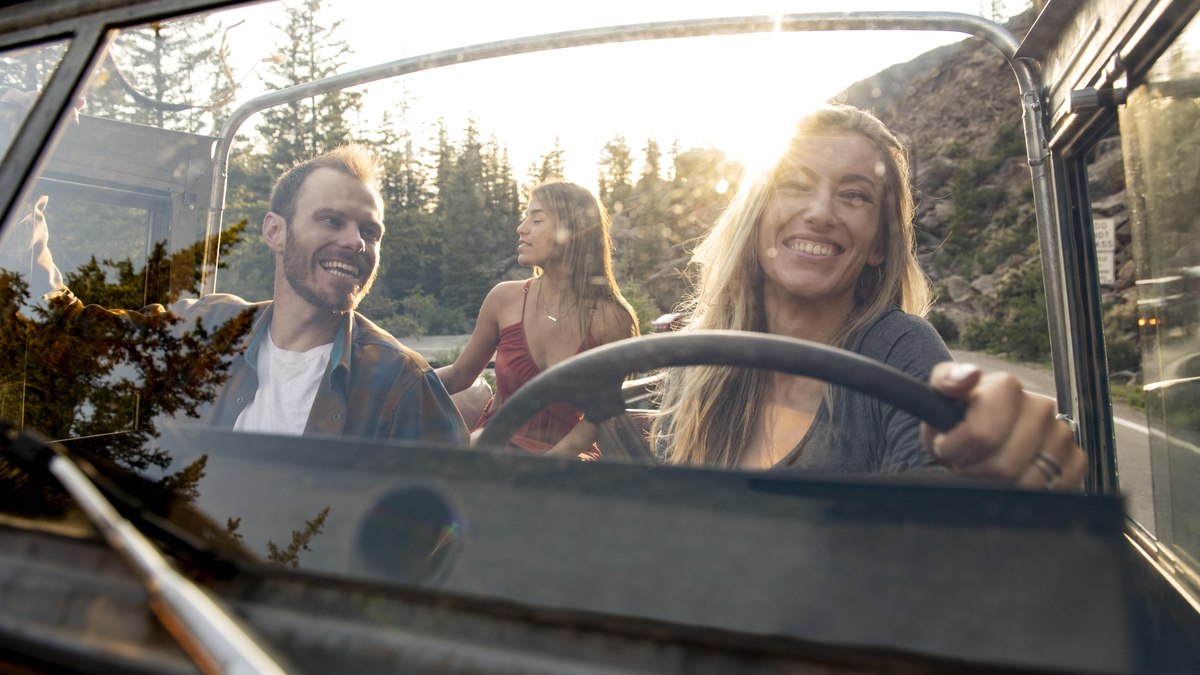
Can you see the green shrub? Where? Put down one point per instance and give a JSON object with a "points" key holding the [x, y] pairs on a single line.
{"points": [[937, 175], [976, 335], [956, 149], [1016, 318], [401, 325], [944, 326], [445, 357], [1010, 140], [1130, 394], [647, 310], [1123, 355]]}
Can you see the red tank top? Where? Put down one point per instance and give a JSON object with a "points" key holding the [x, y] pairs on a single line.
{"points": [[514, 367]]}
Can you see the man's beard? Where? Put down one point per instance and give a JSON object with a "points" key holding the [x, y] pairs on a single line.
{"points": [[296, 270]]}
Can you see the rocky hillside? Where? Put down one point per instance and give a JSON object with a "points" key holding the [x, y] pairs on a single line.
{"points": [[957, 108]]}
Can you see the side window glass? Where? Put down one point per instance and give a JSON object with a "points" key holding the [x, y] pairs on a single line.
{"points": [[1160, 134], [1120, 287], [23, 72], [117, 215]]}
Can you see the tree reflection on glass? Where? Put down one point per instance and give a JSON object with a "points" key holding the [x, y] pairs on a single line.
{"points": [[84, 375]]}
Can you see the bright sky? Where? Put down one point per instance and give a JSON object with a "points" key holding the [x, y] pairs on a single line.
{"points": [[725, 92]]}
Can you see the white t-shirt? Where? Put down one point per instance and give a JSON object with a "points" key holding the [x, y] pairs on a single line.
{"points": [[287, 386]]}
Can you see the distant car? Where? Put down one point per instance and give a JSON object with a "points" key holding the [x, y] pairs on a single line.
{"points": [[667, 322], [1159, 300], [1168, 304]]}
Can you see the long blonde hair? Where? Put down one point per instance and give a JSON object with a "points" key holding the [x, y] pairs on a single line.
{"points": [[583, 227], [712, 410]]}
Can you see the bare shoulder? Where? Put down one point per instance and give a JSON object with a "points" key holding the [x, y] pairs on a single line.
{"points": [[506, 291], [503, 303], [611, 322]]}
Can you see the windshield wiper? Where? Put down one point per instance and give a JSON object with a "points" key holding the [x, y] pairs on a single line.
{"points": [[208, 632]]}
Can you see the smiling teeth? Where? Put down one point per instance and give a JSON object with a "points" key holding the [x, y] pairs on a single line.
{"points": [[810, 248], [340, 269]]}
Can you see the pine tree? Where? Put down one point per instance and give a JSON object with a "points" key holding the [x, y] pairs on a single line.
{"points": [[616, 175], [89, 378], [155, 75], [311, 50], [703, 183], [549, 166], [250, 266], [460, 212], [651, 166], [502, 207], [410, 247]]}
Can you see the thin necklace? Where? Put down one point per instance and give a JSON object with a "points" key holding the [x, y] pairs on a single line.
{"points": [[547, 307]]}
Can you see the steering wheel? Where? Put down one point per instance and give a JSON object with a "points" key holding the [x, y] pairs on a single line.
{"points": [[591, 381]]}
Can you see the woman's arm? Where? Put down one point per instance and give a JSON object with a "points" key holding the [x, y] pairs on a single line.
{"points": [[612, 323], [609, 325], [1006, 433], [912, 345], [480, 347], [577, 443]]}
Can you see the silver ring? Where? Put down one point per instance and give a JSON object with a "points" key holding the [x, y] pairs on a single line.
{"points": [[1050, 468]]}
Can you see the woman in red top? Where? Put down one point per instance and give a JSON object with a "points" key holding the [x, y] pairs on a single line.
{"points": [[571, 304]]}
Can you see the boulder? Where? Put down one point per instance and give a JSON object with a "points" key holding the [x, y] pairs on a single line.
{"points": [[985, 285], [958, 289]]}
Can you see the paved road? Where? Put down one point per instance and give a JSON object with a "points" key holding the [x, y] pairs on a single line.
{"points": [[1133, 441], [436, 348]]}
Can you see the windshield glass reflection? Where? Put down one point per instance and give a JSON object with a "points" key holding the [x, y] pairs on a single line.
{"points": [[123, 209]]}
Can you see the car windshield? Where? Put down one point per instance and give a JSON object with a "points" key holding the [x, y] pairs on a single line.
{"points": [[157, 194]]}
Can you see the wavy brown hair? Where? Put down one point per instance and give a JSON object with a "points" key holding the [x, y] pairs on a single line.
{"points": [[583, 227]]}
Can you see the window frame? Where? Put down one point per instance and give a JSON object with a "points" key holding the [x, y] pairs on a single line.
{"points": [[1105, 46]]}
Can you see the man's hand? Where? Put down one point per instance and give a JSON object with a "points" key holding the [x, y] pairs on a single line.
{"points": [[472, 400], [25, 249], [25, 99]]}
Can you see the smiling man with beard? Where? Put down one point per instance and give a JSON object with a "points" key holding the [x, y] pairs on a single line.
{"points": [[315, 363], [305, 361]]}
